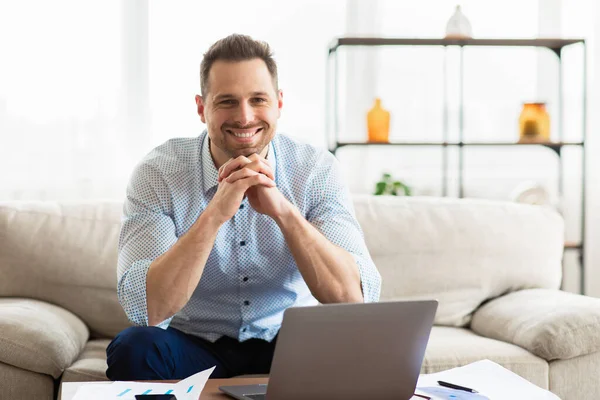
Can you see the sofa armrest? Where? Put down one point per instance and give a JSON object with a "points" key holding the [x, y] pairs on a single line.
{"points": [[39, 337], [549, 323]]}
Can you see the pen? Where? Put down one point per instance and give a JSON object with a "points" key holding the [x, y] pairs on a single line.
{"points": [[458, 387], [422, 396]]}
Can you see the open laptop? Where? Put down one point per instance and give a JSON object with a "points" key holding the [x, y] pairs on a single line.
{"points": [[347, 351]]}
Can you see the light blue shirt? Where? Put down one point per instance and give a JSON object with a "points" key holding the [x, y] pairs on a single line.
{"points": [[250, 276]]}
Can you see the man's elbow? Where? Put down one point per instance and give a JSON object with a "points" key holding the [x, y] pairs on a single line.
{"points": [[344, 294], [355, 296], [153, 320], [157, 316]]}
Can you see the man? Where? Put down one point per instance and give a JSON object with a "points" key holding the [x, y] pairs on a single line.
{"points": [[222, 232]]}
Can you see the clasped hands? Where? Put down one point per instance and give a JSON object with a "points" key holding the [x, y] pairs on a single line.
{"points": [[253, 177]]}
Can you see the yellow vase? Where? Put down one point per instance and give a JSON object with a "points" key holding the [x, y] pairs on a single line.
{"points": [[378, 123], [534, 123]]}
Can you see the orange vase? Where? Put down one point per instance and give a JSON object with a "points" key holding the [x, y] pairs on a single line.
{"points": [[378, 123], [534, 123]]}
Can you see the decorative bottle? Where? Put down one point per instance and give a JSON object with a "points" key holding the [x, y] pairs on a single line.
{"points": [[458, 26], [534, 123], [378, 123]]}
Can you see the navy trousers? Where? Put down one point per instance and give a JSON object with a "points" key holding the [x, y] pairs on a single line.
{"points": [[151, 353]]}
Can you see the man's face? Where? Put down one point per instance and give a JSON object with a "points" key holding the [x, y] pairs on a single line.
{"points": [[241, 107]]}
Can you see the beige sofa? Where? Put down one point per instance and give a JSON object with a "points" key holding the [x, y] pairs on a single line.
{"points": [[494, 267]]}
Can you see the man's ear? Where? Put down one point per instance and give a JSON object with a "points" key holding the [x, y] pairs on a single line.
{"points": [[200, 105], [279, 102]]}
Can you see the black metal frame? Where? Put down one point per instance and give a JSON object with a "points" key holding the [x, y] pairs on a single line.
{"points": [[555, 45]]}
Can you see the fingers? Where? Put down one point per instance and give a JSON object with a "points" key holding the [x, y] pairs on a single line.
{"points": [[255, 180], [232, 165], [265, 166], [245, 174], [241, 174], [246, 178], [254, 157], [254, 162]]}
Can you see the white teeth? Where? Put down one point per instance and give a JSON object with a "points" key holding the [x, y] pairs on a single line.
{"points": [[244, 135]]}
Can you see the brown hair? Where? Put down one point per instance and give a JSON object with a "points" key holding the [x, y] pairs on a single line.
{"points": [[236, 47]]}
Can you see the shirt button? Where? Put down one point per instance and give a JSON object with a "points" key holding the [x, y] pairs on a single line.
{"points": [[246, 303], [244, 330], [242, 243], [245, 279], [241, 206]]}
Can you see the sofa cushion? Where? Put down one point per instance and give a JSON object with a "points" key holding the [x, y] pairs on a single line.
{"points": [[460, 251], [91, 363], [19, 384], [454, 347], [39, 337], [576, 378], [65, 254], [447, 348], [549, 323]]}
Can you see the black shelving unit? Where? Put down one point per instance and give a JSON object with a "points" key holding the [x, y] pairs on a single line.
{"points": [[554, 45]]}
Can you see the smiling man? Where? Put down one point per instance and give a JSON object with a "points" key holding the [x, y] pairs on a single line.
{"points": [[222, 232]]}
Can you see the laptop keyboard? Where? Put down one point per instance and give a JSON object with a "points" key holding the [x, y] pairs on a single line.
{"points": [[256, 396]]}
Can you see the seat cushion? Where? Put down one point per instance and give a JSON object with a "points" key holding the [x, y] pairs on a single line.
{"points": [[39, 337], [91, 364], [17, 383], [450, 347], [576, 378]]}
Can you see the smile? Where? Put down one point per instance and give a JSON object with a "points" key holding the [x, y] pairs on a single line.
{"points": [[244, 133]]}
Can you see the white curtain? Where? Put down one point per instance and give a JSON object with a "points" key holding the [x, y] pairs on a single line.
{"points": [[88, 87], [60, 99]]}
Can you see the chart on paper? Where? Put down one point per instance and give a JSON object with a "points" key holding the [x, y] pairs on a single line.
{"points": [[187, 389]]}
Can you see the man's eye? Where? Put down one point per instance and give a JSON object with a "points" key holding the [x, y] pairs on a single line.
{"points": [[260, 100], [227, 102]]}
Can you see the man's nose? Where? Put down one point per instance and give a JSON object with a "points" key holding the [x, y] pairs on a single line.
{"points": [[245, 114]]}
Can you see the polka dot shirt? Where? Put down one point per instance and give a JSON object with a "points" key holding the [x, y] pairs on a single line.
{"points": [[250, 276]]}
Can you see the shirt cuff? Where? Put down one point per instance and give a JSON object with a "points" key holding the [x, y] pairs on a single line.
{"points": [[132, 294], [370, 279]]}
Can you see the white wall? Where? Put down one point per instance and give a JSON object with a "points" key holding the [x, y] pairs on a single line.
{"points": [[593, 226]]}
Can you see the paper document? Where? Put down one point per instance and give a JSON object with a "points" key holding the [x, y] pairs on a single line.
{"points": [[491, 380], [439, 393], [187, 389]]}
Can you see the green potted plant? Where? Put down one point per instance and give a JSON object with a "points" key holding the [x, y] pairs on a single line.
{"points": [[388, 186]]}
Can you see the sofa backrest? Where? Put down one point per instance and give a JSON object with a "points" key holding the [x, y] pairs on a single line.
{"points": [[461, 252], [65, 254]]}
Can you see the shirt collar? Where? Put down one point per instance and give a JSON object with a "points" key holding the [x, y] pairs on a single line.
{"points": [[210, 174]]}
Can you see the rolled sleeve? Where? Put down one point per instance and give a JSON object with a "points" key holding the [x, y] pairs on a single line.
{"points": [[332, 213], [370, 279], [147, 231]]}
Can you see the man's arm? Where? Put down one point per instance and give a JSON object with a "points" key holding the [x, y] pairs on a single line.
{"points": [[173, 276], [328, 246], [330, 272], [158, 272]]}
